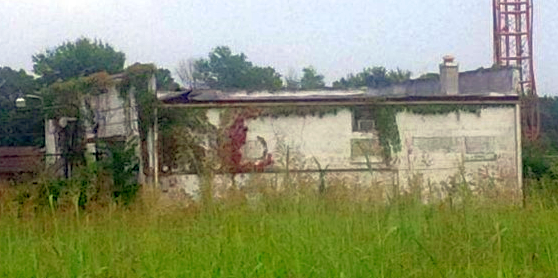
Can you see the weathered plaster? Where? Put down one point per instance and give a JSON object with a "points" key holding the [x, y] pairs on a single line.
{"points": [[439, 149]]}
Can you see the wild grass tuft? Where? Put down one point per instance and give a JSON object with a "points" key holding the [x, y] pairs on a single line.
{"points": [[293, 233]]}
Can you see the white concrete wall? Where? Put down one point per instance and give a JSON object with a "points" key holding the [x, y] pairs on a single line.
{"points": [[113, 116], [326, 139], [482, 146]]}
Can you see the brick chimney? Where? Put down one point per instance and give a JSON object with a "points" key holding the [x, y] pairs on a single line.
{"points": [[449, 76]]}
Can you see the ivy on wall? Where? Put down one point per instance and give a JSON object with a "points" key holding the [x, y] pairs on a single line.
{"points": [[136, 78], [385, 117], [299, 111], [70, 99], [386, 122], [67, 95]]}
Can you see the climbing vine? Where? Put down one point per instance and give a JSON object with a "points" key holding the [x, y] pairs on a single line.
{"points": [[136, 79], [71, 100], [384, 116], [388, 132], [232, 137], [300, 111], [67, 95]]}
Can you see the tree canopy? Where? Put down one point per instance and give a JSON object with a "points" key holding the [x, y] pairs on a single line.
{"points": [[79, 58], [165, 80], [18, 128], [311, 79], [225, 70], [375, 77]]}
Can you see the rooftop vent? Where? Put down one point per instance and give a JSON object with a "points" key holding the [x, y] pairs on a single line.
{"points": [[449, 76]]}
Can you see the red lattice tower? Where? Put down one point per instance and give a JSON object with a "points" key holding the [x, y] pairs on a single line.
{"points": [[513, 46]]}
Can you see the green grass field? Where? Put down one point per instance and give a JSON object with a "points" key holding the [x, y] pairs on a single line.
{"points": [[281, 237]]}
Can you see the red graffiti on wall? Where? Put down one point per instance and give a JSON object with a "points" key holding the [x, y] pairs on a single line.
{"points": [[230, 149]]}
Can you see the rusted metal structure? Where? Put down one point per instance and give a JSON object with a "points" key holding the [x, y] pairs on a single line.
{"points": [[513, 46]]}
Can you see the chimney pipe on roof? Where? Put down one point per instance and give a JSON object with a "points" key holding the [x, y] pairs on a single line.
{"points": [[449, 76]]}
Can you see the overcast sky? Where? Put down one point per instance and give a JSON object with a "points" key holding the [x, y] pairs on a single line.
{"points": [[335, 36]]}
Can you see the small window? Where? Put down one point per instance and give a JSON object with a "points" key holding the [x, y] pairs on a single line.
{"points": [[479, 144], [480, 148], [361, 148], [366, 125], [363, 120], [438, 144]]}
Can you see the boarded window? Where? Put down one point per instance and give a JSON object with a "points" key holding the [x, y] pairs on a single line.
{"points": [[438, 144], [480, 148], [480, 144], [363, 120], [361, 148]]}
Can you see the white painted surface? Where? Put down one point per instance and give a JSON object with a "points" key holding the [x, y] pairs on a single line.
{"points": [[327, 138], [484, 146], [112, 115]]}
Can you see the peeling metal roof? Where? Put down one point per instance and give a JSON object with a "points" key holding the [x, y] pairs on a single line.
{"points": [[482, 83]]}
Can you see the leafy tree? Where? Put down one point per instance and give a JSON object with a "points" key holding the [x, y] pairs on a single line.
{"points": [[375, 77], [398, 76], [18, 128], [352, 81], [430, 75], [549, 122], [165, 80], [311, 79], [225, 70], [79, 58]]}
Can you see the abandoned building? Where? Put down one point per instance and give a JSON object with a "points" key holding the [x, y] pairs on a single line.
{"points": [[439, 133], [114, 120], [460, 127]]}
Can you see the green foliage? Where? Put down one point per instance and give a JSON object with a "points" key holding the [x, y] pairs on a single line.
{"points": [[225, 70], [428, 76], [376, 77], [386, 122], [282, 236], [549, 114], [13, 84], [112, 178], [444, 109], [539, 157], [83, 189], [311, 80], [74, 59], [536, 160], [388, 132], [67, 96], [137, 76], [136, 80], [383, 115], [165, 81], [183, 137], [19, 127], [123, 165], [300, 111]]}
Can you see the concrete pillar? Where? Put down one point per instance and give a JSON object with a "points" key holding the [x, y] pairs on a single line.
{"points": [[449, 76], [51, 149]]}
